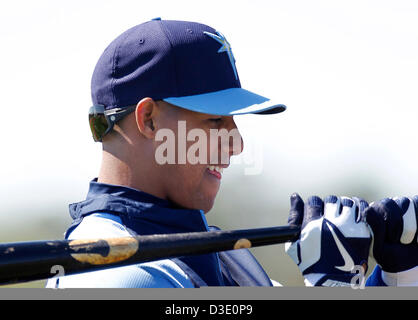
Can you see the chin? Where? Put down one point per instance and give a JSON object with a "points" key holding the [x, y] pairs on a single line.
{"points": [[204, 204], [208, 202], [208, 207]]}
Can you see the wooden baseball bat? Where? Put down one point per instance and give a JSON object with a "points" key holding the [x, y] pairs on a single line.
{"points": [[36, 260]]}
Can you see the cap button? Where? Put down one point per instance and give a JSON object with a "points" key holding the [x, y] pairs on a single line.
{"points": [[156, 19]]}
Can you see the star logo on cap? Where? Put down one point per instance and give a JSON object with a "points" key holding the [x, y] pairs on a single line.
{"points": [[226, 47]]}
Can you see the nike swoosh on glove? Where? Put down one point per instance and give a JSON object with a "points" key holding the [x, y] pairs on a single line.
{"points": [[334, 240]]}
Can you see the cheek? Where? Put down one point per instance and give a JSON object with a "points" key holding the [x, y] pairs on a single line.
{"points": [[191, 186], [193, 177], [213, 150], [185, 180]]}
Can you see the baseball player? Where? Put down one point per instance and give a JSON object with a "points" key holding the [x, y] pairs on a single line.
{"points": [[159, 91]]}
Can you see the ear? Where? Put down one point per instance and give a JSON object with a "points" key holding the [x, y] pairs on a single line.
{"points": [[144, 114]]}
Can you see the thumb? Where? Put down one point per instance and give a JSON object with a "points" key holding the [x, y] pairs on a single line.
{"points": [[296, 210]]}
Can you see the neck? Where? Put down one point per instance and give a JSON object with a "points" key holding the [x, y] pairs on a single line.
{"points": [[136, 174], [113, 170]]}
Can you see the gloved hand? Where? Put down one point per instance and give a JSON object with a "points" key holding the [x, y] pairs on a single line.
{"points": [[334, 240], [395, 245]]}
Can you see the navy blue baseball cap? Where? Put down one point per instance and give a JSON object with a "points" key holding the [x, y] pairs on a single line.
{"points": [[187, 64]]}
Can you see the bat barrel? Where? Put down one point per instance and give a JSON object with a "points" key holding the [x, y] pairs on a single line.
{"points": [[36, 260]]}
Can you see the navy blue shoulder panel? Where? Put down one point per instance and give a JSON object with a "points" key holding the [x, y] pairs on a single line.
{"points": [[243, 267], [193, 276]]}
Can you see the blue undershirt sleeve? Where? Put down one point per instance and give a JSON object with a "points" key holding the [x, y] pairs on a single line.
{"points": [[156, 274], [375, 279]]}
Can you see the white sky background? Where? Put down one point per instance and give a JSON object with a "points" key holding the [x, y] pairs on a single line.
{"points": [[347, 70]]}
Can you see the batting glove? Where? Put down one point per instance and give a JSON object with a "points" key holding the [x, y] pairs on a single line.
{"points": [[334, 242], [395, 247]]}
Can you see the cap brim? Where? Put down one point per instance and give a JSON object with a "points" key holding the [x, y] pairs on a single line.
{"points": [[229, 102]]}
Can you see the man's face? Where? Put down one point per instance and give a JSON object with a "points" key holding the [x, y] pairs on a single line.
{"points": [[203, 145]]}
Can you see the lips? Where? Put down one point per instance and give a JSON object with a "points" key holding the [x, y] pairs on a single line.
{"points": [[215, 171]]}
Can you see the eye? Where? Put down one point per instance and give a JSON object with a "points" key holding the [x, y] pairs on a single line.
{"points": [[215, 120]]}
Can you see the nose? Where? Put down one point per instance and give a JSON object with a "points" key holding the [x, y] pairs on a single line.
{"points": [[228, 140]]}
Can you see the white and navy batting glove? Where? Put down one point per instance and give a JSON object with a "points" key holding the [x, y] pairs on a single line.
{"points": [[395, 246], [334, 242]]}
